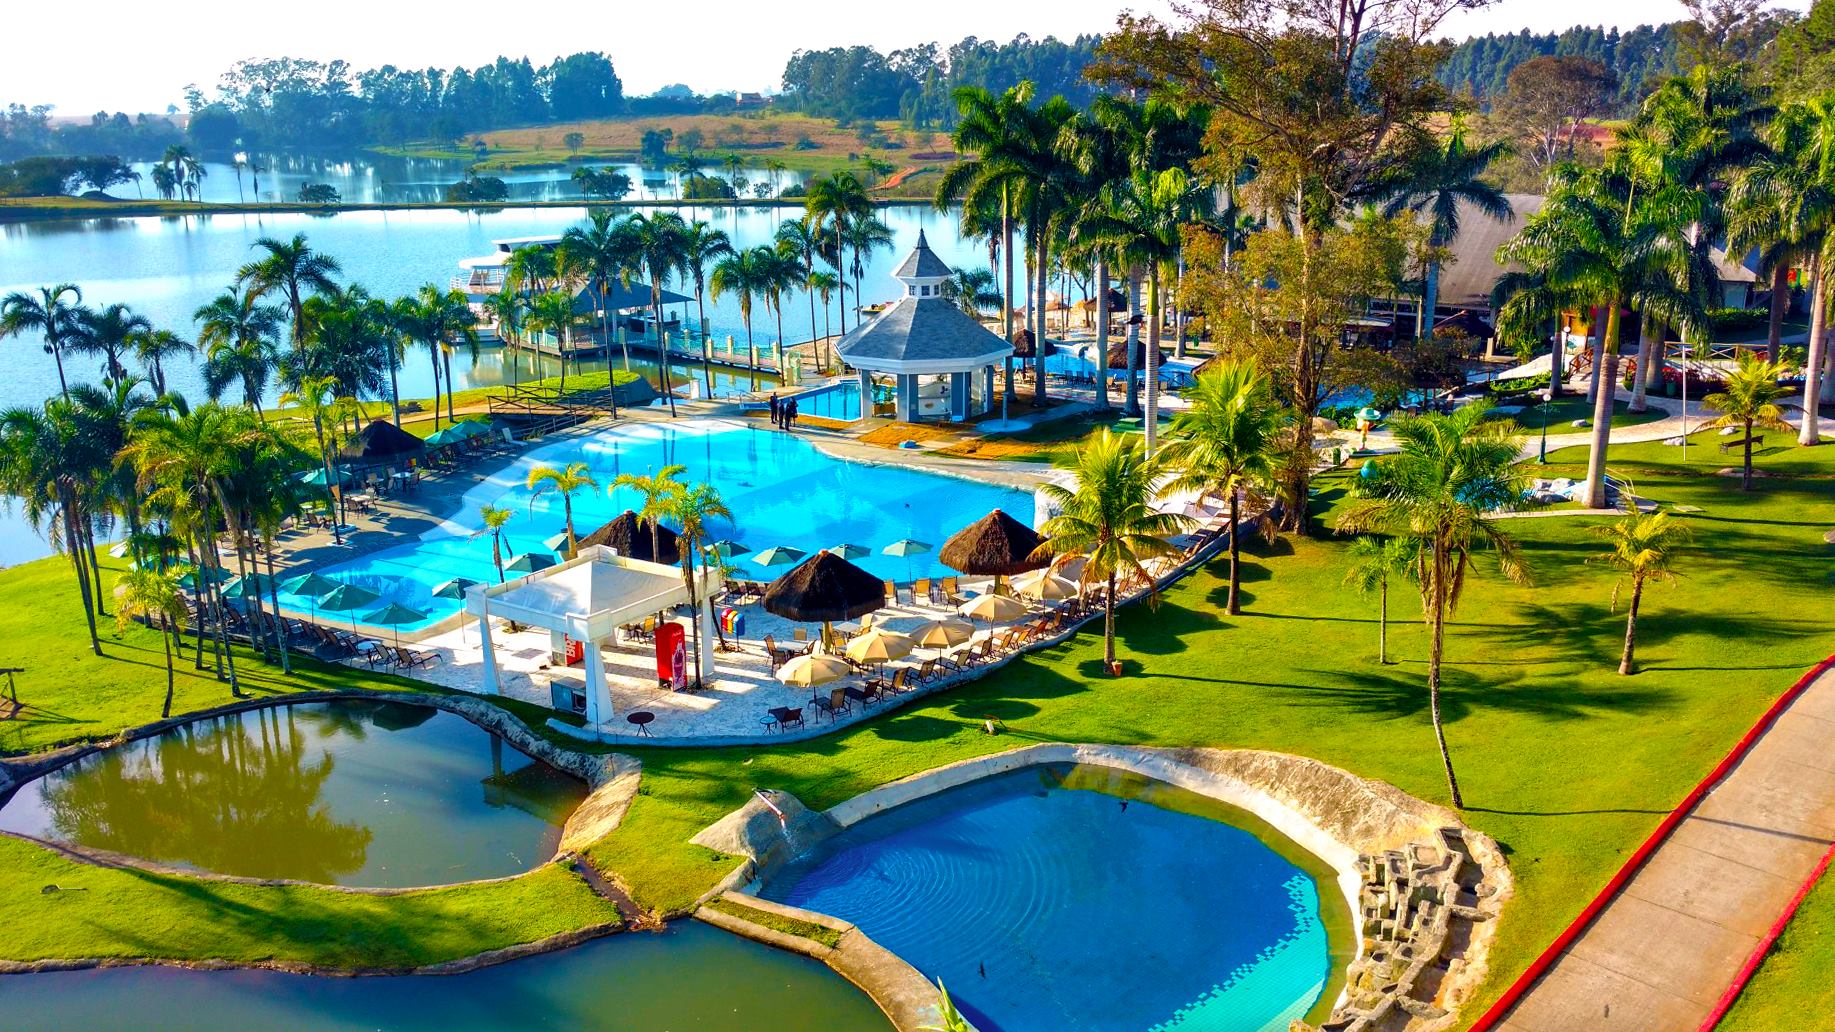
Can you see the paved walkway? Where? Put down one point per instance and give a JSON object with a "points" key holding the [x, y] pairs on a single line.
{"points": [[1661, 953]]}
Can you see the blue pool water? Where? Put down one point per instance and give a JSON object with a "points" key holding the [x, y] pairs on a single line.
{"points": [[837, 401], [781, 489], [1064, 898]]}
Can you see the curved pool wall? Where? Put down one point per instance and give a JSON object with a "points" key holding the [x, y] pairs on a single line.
{"points": [[688, 976], [378, 791], [781, 488], [1063, 896]]}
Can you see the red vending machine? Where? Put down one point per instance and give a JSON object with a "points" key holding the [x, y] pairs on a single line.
{"points": [[671, 656]]}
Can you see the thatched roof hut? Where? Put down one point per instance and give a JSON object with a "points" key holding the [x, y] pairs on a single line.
{"points": [[996, 545], [824, 588], [629, 536], [382, 443], [1118, 354]]}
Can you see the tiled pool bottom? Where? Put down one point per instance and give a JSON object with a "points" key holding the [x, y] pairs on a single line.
{"points": [[1070, 898]]}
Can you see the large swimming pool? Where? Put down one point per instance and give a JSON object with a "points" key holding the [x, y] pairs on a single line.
{"points": [[781, 489], [1066, 898]]}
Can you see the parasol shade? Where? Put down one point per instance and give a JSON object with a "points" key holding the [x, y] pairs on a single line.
{"points": [[879, 646], [629, 536], [943, 634], [529, 562], [993, 608], [347, 597], [906, 547], [454, 588], [850, 551], [383, 442], [1045, 586], [812, 670], [779, 555], [825, 588], [996, 544]]}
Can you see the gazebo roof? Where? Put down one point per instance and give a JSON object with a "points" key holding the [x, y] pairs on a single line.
{"points": [[922, 263], [922, 335], [381, 442], [588, 596]]}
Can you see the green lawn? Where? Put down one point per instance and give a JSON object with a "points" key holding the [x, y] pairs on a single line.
{"points": [[1794, 983], [1567, 764], [1562, 413]]}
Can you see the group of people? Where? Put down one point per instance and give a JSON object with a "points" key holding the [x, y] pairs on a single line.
{"points": [[783, 413]]}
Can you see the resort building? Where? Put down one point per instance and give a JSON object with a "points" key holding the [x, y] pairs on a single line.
{"points": [[941, 359]]}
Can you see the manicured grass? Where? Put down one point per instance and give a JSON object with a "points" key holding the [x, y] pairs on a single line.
{"points": [[1793, 989], [1561, 414], [778, 923], [1567, 764]]}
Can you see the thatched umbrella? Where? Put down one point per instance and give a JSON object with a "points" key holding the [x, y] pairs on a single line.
{"points": [[995, 545], [822, 589], [382, 443], [629, 536]]}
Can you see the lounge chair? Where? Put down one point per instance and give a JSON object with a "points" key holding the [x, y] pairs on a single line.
{"points": [[784, 716], [895, 686], [409, 658], [834, 704], [891, 593], [927, 671], [920, 591], [952, 592]]}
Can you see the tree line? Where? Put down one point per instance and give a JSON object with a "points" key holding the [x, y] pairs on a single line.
{"points": [[916, 85]]}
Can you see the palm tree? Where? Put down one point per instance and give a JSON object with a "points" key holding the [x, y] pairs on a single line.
{"points": [[494, 517], [693, 508], [444, 320], [153, 349], [1643, 546], [564, 482], [533, 269], [1144, 216], [990, 128], [109, 332], [1376, 562], [824, 285], [864, 234], [1599, 240], [746, 273], [1447, 174], [972, 290], [45, 461], [831, 204], [782, 273], [293, 269], [1227, 442], [318, 397], [54, 314], [1109, 516], [657, 251], [1451, 472], [1788, 196], [1748, 401], [702, 244], [596, 253], [240, 339], [151, 595], [659, 491], [803, 240], [553, 313]]}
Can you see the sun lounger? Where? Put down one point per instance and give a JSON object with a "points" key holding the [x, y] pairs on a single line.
{"points": [[836, 703], [408, 658]]}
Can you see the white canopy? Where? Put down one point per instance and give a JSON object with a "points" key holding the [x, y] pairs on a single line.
{"points": [[589, 596]]}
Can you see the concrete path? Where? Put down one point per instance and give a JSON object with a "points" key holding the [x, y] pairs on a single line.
{"points": [[1661, 953]]}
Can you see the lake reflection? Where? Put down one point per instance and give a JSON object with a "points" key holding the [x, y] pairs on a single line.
{"points": [[350, 793]]}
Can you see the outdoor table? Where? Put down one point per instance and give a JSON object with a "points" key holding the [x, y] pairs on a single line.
{"points": [[403, 479], [640, 719]]}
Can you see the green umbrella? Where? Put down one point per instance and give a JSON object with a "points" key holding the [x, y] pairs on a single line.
{"points": [[253, 585], [192, 579], [849, 551], [309, 586], [779, 555], [529, 562], [442, 438], [727, 549], [348, 598], [555, 542], [316, 477], [454, 588], [905, 548], [473, 428], [393, 616]]}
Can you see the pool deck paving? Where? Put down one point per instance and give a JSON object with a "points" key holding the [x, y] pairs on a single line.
{"points": [[1664, 950]]}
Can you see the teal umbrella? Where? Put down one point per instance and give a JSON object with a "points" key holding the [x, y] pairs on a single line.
{"points": [[473, 428], [905, 548], [309, 586], [442, 438], [316, 477], [529, 562], [779, 555], [348, 598], [253, 585], [393, 616], [454, 588], [727, 549], [848, 551], [555, 542], [195, 577]]}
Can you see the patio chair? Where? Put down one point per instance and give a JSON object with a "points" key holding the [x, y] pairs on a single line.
{"points": [[952, 592], [778, 656], [891, 593], [835, 703], [788, 715], [410, 658], [800, 634], [920, 591], [927, 671]]}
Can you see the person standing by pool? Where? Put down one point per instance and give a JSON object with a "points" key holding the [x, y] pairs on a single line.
{"points": [[790, 418], [776, 410]]}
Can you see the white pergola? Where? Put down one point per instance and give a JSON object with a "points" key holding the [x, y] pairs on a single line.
{"points": [[588, 598]]}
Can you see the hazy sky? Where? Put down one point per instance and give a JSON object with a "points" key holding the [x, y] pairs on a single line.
{"points": [[137, 57]]}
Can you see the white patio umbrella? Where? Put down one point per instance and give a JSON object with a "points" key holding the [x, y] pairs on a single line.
{"points": [[1045, 586], [813, 670], [879, 646], [943, 634], [993, 608]]}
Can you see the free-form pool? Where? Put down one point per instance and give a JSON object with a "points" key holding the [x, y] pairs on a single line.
{"points": [[351, 792], [781, 489], [1065, 898]]}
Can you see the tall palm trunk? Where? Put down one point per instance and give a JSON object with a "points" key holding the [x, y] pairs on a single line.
{"points": [[433, 359], [1234, 606], [394, 388], [73, 544], [694, 609], [1637, 596], [1102, 333], [1151, 418], [1652, 357], [707, 359], [1042, 273], [1774, 323], [1745, 482], [662, 342], [1437, 618], [1605, 373], [1132, 407], [280, 623], [1810, 433], [1006, 257], [1108, 623], [166, 634], [446, 367]]}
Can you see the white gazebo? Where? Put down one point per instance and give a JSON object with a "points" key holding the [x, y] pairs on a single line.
{"points": [[941, 358], [587, 599]]}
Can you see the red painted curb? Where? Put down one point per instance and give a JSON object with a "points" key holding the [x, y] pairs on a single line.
{"points": [[1539, 967], [1751, 966]]}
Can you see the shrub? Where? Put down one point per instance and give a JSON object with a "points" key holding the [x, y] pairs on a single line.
{"points": [[1519, 385], [1737, 320]]}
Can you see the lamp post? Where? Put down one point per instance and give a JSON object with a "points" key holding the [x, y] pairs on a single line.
{"points": [[1548, 394]]}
